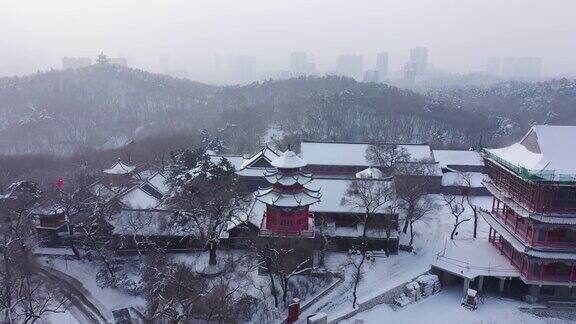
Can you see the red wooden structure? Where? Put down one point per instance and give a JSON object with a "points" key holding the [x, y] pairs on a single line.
{"points": [[288, 199], [533, 223]]}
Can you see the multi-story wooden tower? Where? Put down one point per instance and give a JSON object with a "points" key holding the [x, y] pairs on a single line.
{"points": [[288, 199], [533, 216]]}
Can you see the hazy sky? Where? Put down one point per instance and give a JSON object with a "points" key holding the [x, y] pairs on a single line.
{"points": [[459, 34]]}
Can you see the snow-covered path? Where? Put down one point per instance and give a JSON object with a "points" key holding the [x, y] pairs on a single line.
{"points": [[493, 310], [386, 273]]}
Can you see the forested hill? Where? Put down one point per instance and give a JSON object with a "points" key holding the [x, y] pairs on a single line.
{"points": [[514, 106], [99, 106], [109, 106]]}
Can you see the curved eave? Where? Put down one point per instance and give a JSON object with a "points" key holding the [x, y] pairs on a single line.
{"points": [[271, 197]]}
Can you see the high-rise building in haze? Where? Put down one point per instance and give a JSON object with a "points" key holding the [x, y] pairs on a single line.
{"points": [[298, 61], [419, 60], [244, 68], [371, 76], [528, 67], [493, 66], [508, 67], [350, 65], [382, 65], [75, 62], [410, 72], [522, 67]]}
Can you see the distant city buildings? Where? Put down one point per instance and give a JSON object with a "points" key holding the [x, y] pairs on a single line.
{"points": [[522, 68], [244, 67], [419, 60], [528, 67], [410, 72], [371, 76], [382, 66], [301, 64], [508, 67], [350, 65], [236, 68], [493, 66], [75, 62]]}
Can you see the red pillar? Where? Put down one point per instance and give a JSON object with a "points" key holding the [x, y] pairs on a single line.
{"points": [[523, 268], [493, 202], [490, 234]]}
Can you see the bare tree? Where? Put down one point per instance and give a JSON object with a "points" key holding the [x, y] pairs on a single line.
{"points": [[178, 293], [88, 215], [386, 156], [25, 295], [457, 208], [369, 197], [469, 201], [281, 261], [412, 189]]}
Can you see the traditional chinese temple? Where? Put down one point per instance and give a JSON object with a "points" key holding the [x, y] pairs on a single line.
{"points": [[533, 216]]}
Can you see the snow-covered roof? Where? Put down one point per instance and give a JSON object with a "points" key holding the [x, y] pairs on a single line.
{"points": [[457, 157], [288, 160], [543, 148], [48, 208], [370, 173], [119, 168], [138, 198], [158, 180], [352, 154], [235, 160], [266, 153], [255, 214], [250, 172], [472, 258], [459, 179], [273, 176], [333, 190], [271, 196], [145, 223]]}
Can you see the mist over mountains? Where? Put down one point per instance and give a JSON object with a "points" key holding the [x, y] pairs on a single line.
{"points": [[107, 106]]}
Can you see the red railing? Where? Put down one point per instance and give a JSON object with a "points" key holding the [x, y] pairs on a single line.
{"points": [[537, 197], [526, 268], [521, 230], [524, 233]]}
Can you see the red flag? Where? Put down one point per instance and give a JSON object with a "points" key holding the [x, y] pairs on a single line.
{"points": [[60, 183]]}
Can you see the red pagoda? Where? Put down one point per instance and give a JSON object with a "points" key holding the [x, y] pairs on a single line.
{"points": [[288, 199], [533, 217]]}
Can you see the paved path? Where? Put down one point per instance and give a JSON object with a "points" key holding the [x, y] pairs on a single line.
{"points": [[83, 306]]}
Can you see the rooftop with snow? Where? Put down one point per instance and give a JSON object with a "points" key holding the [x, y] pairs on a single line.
{"points": [[352, 154], [545, 149]]}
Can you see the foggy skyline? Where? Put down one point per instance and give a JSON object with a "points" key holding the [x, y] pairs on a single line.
{"points": [[460, 34]]}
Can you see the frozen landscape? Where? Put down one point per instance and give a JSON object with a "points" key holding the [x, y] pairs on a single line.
{"points": [[288, 161]]}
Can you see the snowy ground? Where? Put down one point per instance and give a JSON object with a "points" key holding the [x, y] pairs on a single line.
{"points": [[432, 234], [246, 276], [381, 274], [493, 311], [108, 298]]}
